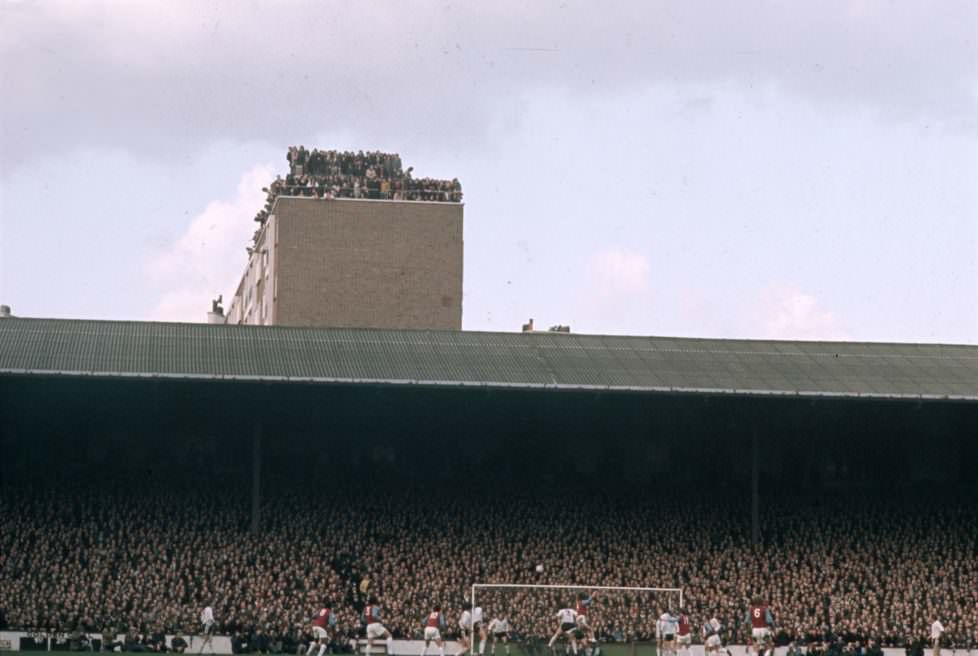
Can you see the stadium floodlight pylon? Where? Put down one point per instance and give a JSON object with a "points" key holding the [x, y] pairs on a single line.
{"points": [[505, 598]]}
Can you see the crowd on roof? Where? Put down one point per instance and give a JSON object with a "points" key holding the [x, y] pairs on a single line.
{"points": [[142, 557], [373, 175]]}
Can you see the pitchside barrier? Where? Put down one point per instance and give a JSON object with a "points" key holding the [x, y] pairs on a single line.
{"points": [[44, 641]]}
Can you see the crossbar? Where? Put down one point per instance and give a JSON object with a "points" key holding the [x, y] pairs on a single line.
{"points": [[589, 587]]}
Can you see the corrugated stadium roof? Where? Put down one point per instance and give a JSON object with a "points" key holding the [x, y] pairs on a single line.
{"points": [[517, 360]]}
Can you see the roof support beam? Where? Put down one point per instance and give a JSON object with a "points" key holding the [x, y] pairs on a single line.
{"points": [[256, 478], [755, 503]]}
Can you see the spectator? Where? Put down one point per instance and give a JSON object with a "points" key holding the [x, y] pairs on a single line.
{"points": [[178, 644], [375, 175], [838, 570], [109, 639], [133, 641]]}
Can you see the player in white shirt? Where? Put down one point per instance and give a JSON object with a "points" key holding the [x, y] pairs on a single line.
{"points": [[665, 633], [936, 630], [465, 627], [566, 626], [479, 628], [207, 623], [712, 643], [499, 630]]}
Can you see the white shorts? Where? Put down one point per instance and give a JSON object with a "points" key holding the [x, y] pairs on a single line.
{"points": [[319, 632], [208, 627], [684, 639], [714, 641], [761, 634], [431, 633], [376, 630]]}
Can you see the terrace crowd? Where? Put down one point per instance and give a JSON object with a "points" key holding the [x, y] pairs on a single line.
{"points": [[374, 175], [145, 556]]}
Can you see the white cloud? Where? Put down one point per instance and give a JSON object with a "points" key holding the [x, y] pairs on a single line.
{"points": [[620, 271], [789, 313], [208, 258]]}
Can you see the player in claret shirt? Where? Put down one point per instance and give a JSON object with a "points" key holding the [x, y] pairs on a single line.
{"points": [[761, 620], [581, 606], [322, 623], [684, 636], [371, 618], [434, 623]]}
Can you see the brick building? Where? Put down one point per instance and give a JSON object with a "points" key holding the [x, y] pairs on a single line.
{"points": [[354, 263]]}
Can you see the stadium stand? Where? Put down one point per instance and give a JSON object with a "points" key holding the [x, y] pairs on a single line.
{"points": [[410, 464], [146, 554]]}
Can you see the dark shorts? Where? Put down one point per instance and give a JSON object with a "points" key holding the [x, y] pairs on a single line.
{"points": [[669, 637], [567, 626]]}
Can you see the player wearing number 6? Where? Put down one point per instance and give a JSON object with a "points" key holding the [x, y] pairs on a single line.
{"points": [[761, 620]]}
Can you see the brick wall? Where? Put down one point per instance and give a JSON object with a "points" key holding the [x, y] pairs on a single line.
{"points": [[373, 264]]}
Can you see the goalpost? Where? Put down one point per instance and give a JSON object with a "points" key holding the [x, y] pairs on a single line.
{"points": [[641, 606]]}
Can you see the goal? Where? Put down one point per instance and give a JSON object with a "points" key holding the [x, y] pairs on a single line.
{"points": [[614, 614]]}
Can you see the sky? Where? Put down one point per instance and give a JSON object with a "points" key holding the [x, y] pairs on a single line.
{"points": [[756, 169]]}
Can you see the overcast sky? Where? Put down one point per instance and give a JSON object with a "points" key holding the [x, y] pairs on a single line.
{"points": [[730, 169]]}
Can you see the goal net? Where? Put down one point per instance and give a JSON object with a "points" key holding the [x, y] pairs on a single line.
{"points": [[614, 616]]}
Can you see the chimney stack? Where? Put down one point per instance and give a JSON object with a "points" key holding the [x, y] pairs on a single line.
{"points": [[216, 315]]}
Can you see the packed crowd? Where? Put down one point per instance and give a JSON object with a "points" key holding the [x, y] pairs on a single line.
{"points": [[373, 175], [144, 558]]}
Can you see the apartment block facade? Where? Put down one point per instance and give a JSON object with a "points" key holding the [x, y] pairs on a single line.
{"points": [[354, 263]]}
